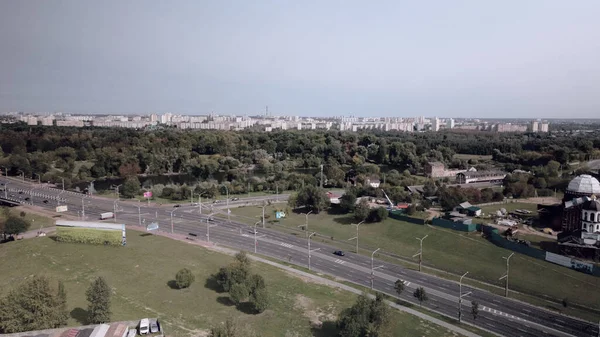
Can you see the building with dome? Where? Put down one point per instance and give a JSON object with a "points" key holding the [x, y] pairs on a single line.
{"points": [[577, 195]]}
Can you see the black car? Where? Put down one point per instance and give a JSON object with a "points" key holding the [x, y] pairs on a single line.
{"points": [[178, 205], [235, 199], [45, 201], [27, 199], [339, 253]]}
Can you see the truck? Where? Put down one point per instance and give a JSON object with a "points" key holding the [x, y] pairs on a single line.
{"points": [[107, 215]]}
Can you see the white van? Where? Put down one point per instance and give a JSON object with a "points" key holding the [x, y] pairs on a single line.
{"points": [[144, 326]]}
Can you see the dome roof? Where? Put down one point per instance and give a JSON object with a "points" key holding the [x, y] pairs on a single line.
{"points": [[584, 184]]}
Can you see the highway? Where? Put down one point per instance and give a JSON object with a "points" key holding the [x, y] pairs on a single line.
{"points": [[497, 314]]}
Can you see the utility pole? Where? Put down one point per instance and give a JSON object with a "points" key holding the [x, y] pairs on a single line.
{"points": [[63, 183], [82, 209], [356, 237], [139, 213], [115, 210], [460, 296], [228, 210], [172, 220], [420, 253], [309, 250], [321, 175], [39, 179], [373, 268], [200, 203], [506, 275]]}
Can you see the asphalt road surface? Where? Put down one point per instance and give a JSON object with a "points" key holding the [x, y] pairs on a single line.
{"points": [[498, 314]]}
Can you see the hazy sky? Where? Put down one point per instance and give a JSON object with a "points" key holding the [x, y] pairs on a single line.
{"points": [[313, 58]]}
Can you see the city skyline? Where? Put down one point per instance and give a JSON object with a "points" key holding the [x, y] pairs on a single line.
{"points": [[464, 60]]}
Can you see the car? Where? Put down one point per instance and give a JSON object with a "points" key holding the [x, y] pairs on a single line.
{"points": [[45, 201], [20, 192], [253, 231], [154, 328], [216, 202], [339, 253], [144, 326], [195, 204], [235, 199], [177, 205], [132, 333], [27, 199]]}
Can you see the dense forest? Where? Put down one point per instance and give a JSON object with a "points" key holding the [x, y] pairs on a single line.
{"points": [[82, 154]]}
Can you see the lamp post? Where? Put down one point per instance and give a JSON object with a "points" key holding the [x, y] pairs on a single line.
{"points": [[420, 253], [115, 210], [506, 275], [373, 267], [356, 237], [263, 214], [228, 212], [172, 219], [255, 242], [309, 250], [39, 179], [460, 296], [22, 175], [306, 222], [208, 226], [31, 195], [117, 190], [63, 184], [139, 213]]}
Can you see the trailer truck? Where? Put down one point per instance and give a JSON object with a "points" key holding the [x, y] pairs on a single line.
{"points": [[107, 215]]}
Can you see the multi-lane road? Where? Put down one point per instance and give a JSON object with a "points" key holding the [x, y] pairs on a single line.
{"points": [[497, 314]]}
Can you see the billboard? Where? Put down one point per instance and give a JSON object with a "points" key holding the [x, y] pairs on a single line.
{"points": [[148, 194], [61, 208]]}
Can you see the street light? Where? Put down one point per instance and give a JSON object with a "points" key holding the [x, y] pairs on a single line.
{"points": [[306, 222], [228, 211], [263, 214], [506, 275], [39, 179], [356, 237], [420, 253], [373, 267], [208, 226], [460, 296], [114, 210], [255, 243], [172, 219], [139, 206], [309, 251]]}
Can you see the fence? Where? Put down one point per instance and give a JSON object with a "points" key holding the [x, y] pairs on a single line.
{"points": [[499, 240], [399, 216], [459, 226]]}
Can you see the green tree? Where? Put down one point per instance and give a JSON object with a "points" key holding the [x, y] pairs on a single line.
{"points": [[184, 278], [421, 295], [61, 298], [348, 201], [367, 317], [98, 296], [236, 272], [238, 293], [399, 286], [411, 209], [474, 309], [362, 210], [378, 214], [311, 197], [15, 225], [260, 300], [230, 328], [31, 306], [131, 187]]}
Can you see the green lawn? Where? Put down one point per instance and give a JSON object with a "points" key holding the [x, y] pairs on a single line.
{"points": [[35, 220], [511, 206], [140, 273], [449, 250]]}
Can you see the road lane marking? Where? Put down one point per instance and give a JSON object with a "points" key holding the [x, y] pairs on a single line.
{"points": [[339, 261], [286, 245]]}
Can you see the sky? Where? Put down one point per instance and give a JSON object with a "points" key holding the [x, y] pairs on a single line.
{"points": [[511, 58]]}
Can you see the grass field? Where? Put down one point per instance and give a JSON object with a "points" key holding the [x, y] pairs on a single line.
{"points": [[452, 251], [510, 207], [35, 220], [140, 274]]}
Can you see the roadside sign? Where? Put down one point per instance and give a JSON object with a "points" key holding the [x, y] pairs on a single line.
{"points": [[61, 208], [280, 215], [151, 227], [148, 194]]}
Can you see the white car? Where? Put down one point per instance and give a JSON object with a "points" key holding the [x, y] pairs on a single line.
{"points": [[154, 326], [132, 333], [144, 326]]}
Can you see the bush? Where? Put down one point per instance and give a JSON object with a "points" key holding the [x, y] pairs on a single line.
{"points": [[89, 236], [184, 278], [378, 214], [22, 214]]}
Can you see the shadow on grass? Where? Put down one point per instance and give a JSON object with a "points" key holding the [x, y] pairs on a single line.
{"points": [[80, 315], [225, 300], [211, 283], [247, 308], [327, 329], [146, 234], [173, 284], [344, 220], [336, 211]]}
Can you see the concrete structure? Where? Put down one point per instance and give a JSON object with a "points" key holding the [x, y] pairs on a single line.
{"points": [[450, 123], [508, 127], [435, 124], [469, 177], [437, 169]]}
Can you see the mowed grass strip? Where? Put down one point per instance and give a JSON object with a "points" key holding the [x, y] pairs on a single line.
{"points": [[36, 221], [140, 275], [448, 250]]}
